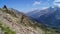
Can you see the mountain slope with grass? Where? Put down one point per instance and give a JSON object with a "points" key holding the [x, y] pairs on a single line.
{"points": [[14, 22]]}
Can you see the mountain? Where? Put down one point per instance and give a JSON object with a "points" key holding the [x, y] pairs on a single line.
{"points": [[49, 17], [14, 22]]}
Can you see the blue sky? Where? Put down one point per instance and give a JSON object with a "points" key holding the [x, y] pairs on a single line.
{"points": [[28, 5]]}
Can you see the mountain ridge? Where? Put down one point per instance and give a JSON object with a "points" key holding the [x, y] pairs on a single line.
{"points": [[18, 22], [14, 22], [47, 16]]}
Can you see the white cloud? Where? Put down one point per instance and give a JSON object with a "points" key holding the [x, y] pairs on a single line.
{"points": [[36, 3], [56, 2]]}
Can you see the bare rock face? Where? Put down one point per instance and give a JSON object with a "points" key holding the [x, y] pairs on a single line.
{"points": [[19, 22]]}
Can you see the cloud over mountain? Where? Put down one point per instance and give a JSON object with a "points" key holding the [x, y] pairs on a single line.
{"points": [[36, 3]]}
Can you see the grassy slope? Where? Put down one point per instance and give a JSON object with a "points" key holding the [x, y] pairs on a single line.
{"points": [[44, 28], [5, 29]]}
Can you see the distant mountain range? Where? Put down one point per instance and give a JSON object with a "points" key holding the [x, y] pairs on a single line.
{"points": [[49, 17]]}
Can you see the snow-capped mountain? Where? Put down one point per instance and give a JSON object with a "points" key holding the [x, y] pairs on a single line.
{"points": [[49, 16]]}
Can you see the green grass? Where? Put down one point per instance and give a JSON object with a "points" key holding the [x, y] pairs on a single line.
{"points": [[6, 30]]}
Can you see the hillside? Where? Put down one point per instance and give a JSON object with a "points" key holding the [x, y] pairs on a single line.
{"points": [[14, 22], [17, 23]]}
